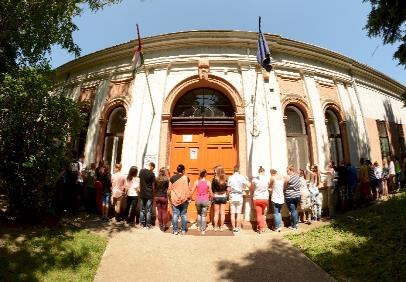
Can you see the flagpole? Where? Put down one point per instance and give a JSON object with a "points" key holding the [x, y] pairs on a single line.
{"points": [[253, 108], [149, 90]]}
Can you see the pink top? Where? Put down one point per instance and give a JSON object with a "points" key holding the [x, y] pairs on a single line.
{"points": [[202, 191], [118, 182]]}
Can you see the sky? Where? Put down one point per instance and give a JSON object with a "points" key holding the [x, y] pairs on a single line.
{"points": [[336, 25]]}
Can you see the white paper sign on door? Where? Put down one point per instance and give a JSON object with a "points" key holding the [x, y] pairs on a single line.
{"points": [[193, 153], [187, 138]]}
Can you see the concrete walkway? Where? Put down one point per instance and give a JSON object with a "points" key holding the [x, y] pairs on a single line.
{"points": [[150, 255]]}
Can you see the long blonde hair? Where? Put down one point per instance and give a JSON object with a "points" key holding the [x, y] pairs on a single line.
{"points": [[220, 175]]}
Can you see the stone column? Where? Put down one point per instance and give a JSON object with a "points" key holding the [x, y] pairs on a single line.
{"points": [[164, 144], [319, 127], [242, 142]]}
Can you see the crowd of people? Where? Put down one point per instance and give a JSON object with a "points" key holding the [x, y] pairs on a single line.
{"points": [[346, 187]]}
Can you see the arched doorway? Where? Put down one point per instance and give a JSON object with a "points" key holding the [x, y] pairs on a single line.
{"points": [[203, 134], [113, 138], [297, 139]]}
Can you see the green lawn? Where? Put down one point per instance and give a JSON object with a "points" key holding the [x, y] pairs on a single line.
{"points": [[364, 245], [41, 254]]}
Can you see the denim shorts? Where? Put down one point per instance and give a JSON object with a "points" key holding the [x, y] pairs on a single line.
{"points": [[106, 198], [220, 200]]}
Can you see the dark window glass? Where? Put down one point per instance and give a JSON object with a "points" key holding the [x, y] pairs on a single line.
{"points": [[296, 138], [80, 140], [113, 140], [116, 121], [294, 121], [401, 139], [334, 137], [203, 102], [383, 138]]}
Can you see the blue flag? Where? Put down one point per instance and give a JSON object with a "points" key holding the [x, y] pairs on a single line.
{"points": [[263, 54]]}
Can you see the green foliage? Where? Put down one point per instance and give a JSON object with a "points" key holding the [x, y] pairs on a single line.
{"points": [[28, 29], [33, 254], [34, 128], [387, 19], [366, 245]]}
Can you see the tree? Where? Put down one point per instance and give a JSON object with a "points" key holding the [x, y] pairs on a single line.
{"points": [[35, 125], [387, 19], [35, 122], [29, 28]]}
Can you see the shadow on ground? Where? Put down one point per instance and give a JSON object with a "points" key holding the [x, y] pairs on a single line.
{"points": [[279, 262]]}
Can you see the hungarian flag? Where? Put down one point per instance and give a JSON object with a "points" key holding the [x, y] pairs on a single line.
{"points": [[263, 54], [138, 58]]}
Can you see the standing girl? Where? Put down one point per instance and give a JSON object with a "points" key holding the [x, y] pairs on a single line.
{"points": [[292, 195], [276, 185], [161, 198], [203, 196], [103, 176], [316, 196], [133, 188], [118, 185], [305, 198], [261, 198], [219, 190]]}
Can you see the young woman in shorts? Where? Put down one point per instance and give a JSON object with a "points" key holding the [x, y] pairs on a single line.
{"points": [[219, 190]]}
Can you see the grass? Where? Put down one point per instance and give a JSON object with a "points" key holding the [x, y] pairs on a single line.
{"points": [[38, 254], [364, 245]]}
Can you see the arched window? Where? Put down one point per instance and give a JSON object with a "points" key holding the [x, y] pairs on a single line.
{"points": [[203, 102], [334, 137], [113, 140], [296, 138]]}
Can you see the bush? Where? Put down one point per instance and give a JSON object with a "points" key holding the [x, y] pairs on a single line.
{"points": [[35, 125]]}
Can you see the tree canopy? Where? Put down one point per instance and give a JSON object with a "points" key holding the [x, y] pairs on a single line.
{"points": [[29, 28], [36, 124], [387, 19]]}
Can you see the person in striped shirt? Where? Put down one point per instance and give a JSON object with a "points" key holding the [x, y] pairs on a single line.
{"points": [[292, 195]]}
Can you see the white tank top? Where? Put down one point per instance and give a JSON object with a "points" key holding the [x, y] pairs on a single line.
{"points": [[277, 191]]}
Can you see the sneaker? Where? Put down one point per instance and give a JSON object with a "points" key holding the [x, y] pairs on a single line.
{"points": [[292, 228], [175, 232], [183, 232], [278, 229], [221, 228], [216, 228], [203, 232]]}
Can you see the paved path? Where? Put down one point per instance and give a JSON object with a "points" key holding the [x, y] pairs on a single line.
{"points": [[150, 255]]}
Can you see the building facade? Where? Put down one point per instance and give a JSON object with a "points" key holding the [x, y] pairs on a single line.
{"points": [[200, 99]]}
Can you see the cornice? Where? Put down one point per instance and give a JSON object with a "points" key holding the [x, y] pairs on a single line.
{"points": [[229, 38]]}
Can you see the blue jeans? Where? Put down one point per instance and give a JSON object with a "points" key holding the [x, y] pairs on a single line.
{"points": [[182, 211], [292, 206], [277, 217], [146, 210]]}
